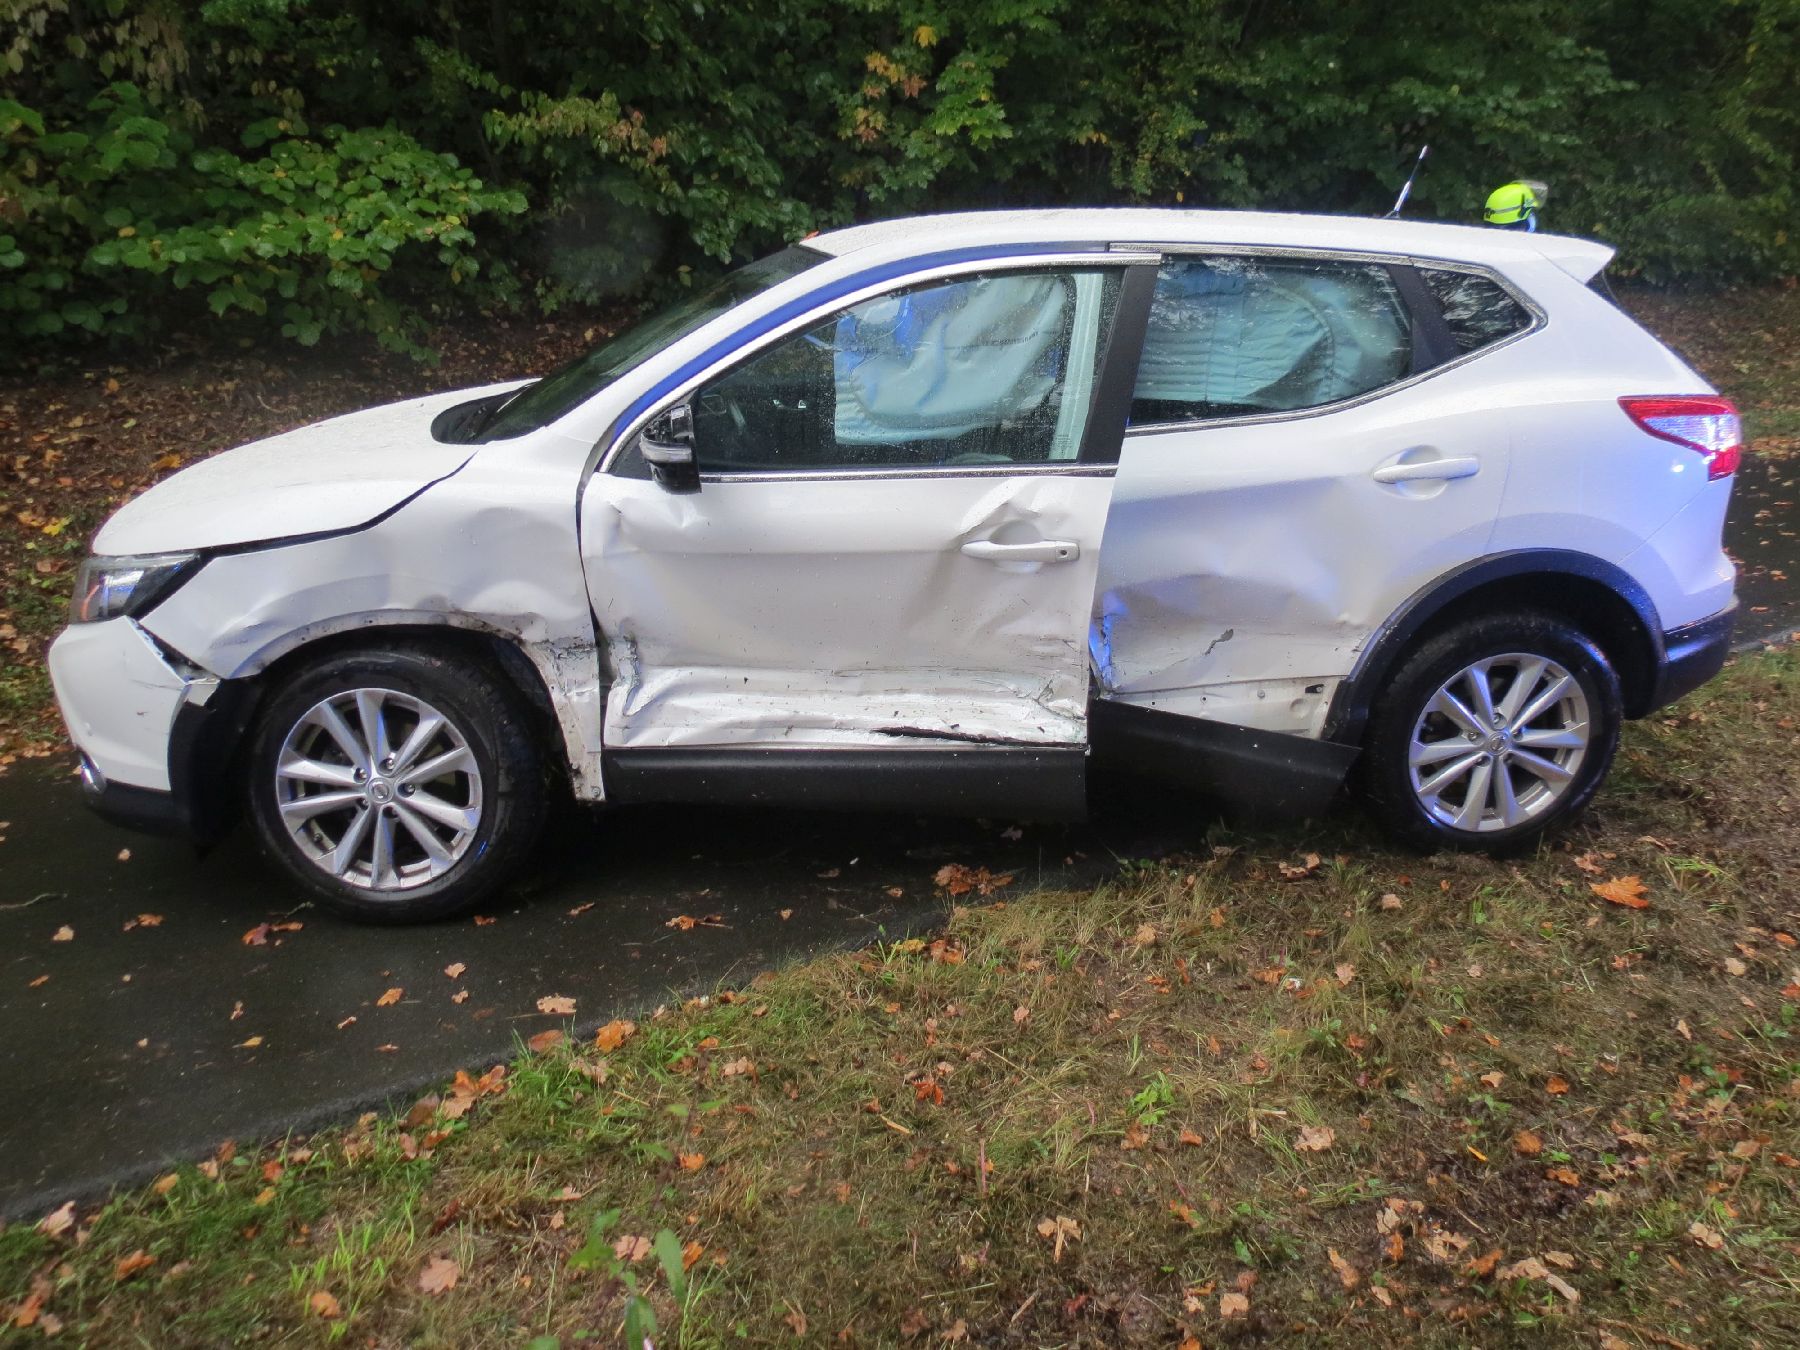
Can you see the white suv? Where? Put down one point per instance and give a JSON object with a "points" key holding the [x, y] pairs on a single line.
{"points": [[928, 514]]}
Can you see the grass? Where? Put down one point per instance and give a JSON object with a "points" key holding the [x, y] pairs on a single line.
{"points": [[1252, 1105]]}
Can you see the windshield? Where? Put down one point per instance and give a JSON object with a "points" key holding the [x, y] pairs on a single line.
{"points": [[538, 405]]}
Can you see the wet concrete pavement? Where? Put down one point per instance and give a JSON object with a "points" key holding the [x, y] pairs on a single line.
{"points": [[150, 1042], [155, 1040]]}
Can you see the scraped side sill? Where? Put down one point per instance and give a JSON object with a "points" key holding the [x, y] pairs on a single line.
{"points": [[1036, 783], [1270, 775]]}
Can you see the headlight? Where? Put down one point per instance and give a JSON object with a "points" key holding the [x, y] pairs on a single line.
{"points": [[107, 588]]}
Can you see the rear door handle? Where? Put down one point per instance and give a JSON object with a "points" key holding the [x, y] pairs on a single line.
{"points": [[1038, 550], [1413, 471]]}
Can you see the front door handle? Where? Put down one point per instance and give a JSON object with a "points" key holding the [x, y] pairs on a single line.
{"points": [[1038, 550], [1415, 470]]}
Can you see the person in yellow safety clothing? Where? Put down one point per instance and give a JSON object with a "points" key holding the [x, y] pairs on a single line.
{"points": [[1515, 206]]}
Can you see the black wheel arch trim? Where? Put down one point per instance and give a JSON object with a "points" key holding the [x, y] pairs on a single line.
{"points": [[1348, 717]]}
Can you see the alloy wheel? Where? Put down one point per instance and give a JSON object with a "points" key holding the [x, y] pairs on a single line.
{"points": [[1500, 743], [378, 789]]}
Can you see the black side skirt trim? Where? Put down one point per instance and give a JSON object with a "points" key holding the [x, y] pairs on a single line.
{"points": [[1039, 783], [1267, 773]]}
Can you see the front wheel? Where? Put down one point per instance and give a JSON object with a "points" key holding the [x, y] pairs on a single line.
{"points": [[1491, 732], [397, 786]]}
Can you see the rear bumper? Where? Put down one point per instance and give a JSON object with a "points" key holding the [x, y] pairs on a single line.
{"points": [[1692, 655]]}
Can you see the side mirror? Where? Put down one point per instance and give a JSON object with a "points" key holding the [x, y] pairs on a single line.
{"points": [[667, 445]]}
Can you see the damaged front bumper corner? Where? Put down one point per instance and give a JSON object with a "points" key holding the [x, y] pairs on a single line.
{"points": [[154, 738]]}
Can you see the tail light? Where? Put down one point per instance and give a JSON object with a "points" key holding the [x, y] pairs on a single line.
{"points": [[1706, 424]]}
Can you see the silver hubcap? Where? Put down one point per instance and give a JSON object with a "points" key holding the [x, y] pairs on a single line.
{"points": [[1500, 743], [379, 789]]}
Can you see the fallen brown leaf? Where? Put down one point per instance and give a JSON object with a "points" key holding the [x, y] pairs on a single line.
{"points": [[390, 998], [544, 1040], [325, 1305], [63, 934], [127, 1266], [1316, 1138], [58, 1221], [455, 969], [1233, 1305], [1348, 1275], [439, 1275], [557, 1005], [614, 1034], [1627, 891], [1059, 1230], [1706, 1235]]}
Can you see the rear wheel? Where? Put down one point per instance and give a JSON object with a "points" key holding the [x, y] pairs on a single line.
{"points": [[396, 786], [1491, 732]]}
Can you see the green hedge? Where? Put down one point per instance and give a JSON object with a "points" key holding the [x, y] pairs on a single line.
{"points": [[331, 165]]}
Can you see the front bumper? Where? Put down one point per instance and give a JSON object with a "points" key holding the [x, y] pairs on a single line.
{"points": [[1692, 655], [157, 738]]}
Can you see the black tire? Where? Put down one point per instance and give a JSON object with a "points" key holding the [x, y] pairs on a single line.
{"points": [[1386, 768], [481, 707]]}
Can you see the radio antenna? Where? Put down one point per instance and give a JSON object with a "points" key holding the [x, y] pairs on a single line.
{"points": [[1411, 178]]}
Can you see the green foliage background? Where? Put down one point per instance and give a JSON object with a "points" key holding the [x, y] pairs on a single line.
{"points": [[340, 165]]}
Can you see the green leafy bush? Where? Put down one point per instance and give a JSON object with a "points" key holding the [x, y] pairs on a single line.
{"points": [[657, 138], [125, 223]]}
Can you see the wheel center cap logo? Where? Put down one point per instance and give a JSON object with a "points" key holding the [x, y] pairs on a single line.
{"points": [[1500, 743], [381, 792]]}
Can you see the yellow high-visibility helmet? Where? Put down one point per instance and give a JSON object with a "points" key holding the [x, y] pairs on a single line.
{"points": [[1514, 204]]}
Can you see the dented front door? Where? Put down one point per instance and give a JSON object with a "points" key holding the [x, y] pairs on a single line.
{"points": [[896, 538]]}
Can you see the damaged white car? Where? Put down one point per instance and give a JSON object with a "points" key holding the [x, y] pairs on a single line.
{"points": [[931, 514]]}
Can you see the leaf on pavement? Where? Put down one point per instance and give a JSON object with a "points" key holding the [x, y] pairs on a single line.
{"points": [[63, 934], [257, 936], [439, 1275], [558, 1005], [390, 998], [1627, 891], [687, 922], [455, 969]]}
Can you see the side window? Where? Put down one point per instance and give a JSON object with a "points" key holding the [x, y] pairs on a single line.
{"points": [[1477, 309], [1232, 336], [987, 369]]}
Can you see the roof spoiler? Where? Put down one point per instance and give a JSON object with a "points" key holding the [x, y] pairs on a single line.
{"points": [[1580, 258]]}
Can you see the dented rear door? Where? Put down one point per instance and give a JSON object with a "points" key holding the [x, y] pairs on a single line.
{"points": [[897, 533], [1300, 461]]}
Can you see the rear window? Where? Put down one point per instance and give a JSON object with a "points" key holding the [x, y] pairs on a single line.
{"points": [[1478, 310], [1237, 336]]}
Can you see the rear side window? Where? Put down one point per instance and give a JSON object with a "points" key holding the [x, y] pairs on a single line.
{"points": [[1230, 337], [1478, 310]]}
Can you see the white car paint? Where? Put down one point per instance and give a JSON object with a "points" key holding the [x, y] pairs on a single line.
{"points": [[1256, 561], [333, 475]]}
